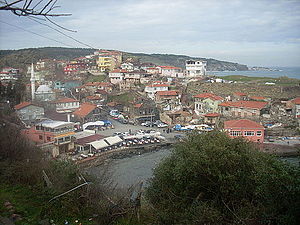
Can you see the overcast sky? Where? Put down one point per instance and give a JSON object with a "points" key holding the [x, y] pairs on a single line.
{"points": [[252, 32]]}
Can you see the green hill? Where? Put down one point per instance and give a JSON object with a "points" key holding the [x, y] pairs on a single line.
{"points": [[22, 57]]}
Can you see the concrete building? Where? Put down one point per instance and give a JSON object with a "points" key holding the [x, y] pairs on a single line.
{"points": [[243, 109], [58, 134], [117, 76], [155, 87], [245, 128], [206, 103], [29, 112], [195, 68], [170, 71], [66, 105]]}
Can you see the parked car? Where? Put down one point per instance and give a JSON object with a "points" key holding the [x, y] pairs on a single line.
{"points": [[162, 125], [147, 124]]}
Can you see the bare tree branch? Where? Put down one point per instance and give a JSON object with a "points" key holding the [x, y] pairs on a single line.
{"points": [[27, 8]]}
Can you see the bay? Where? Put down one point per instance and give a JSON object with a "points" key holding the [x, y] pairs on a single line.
{"points": [[291, 72]]}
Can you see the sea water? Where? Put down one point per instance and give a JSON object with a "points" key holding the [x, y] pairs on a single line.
{"points": [[291, 72]]}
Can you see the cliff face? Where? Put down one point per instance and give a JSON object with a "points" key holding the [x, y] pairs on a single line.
{"points": [[21, 58]]}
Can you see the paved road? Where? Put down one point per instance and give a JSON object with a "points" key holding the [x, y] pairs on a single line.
{"points": [[119, 127]]}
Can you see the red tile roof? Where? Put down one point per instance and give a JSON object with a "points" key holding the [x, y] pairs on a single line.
{"points": [[239, 94], [138, 105], [244, 123], [296, 101], [84, 109], [88, 139], [257, 97], [167, 93], [65, 100], [119, 71], [22, 105], [208, 95], [212, 115], [245, 104]]}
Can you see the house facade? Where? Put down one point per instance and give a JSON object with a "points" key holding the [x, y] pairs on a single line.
{"points": [[248, 129], [59, 134], [29, 112], [206, 103], [243, 109], [66, 105], [87, 112], [170, 71], [168, 100], [195, 68], [155, 87]]}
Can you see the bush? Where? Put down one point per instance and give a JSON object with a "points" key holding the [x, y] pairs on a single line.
{"points": [[212, 179]]}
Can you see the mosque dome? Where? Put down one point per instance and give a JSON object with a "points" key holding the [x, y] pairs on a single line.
{"points": [[43, 89]]}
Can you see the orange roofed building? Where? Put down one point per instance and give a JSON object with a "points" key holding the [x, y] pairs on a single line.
{"points": [[87, 112], [243, 109], [245, 128]]}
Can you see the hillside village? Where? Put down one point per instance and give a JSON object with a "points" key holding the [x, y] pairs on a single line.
{"points": [[100, 102]]}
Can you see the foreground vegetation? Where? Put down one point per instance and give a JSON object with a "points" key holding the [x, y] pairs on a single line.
{"points": [[208, 179], [212, 179]]}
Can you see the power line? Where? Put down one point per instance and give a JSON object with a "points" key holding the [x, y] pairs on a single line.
{"points": [[21, 28], [57, 30]]}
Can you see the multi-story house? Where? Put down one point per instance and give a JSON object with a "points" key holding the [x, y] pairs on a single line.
{"points": [[170, 71], [155, 87], [145, 111], [87, 112], [57, 134], [296, 107], [195, 68], [29, 112], [245, 128], [66, 105], [243, 109], [108, 60], [206, 103], [168, 100], [117, 76]]}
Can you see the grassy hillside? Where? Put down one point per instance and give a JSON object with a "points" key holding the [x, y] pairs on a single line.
{"points": [[21, 58], [179, 61]]}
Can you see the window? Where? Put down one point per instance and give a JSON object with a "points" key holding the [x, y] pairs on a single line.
{"points": [[235, 133], [67, 138], [258, 133], [249, 133], [48, 138], [40, 137]]}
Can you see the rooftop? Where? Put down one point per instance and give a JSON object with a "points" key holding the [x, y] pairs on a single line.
{"points": [[54, 123], [84, 109], [245, 104], [167, 93], [212, 115], [22, 105], [296, 101], [244, 123]]}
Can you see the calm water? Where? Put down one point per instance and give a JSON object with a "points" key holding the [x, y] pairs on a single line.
{"points": [[130, 171], [292, 72]]}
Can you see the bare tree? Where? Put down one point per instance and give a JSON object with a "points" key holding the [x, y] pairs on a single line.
{"points": [[32, 8]]}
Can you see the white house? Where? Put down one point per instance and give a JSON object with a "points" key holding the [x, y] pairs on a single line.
{"points": [[195, 68], [170, 71], [117, 75], [66, 105], [155, 87]]}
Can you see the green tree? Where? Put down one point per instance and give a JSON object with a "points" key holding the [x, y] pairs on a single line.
{"points": [[212, 179]]}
